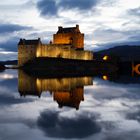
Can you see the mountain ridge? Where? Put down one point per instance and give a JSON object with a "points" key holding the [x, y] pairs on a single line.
{"points": [[124, 52]]}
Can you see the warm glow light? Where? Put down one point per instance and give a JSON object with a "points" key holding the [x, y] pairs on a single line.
{"points": [[38, 83], [6, 76], [105, 77], [105, 57], [38, 53], [136, 69]]}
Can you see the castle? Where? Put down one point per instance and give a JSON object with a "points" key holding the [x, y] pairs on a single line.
{"points": [[67, 43]]}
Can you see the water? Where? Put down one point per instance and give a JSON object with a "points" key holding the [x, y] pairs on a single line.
{"points": [[91, 108]]}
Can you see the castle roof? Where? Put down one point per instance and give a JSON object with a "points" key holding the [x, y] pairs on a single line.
{"points": [[68, 30], [29, 42]]}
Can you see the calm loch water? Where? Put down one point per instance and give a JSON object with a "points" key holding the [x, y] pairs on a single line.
{"points": [[88, 108]]}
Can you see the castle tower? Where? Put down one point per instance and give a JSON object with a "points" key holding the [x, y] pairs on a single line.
{"points": [[27, 50], [71, 35]]}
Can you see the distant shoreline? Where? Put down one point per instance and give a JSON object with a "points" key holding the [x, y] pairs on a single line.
{"points": [[52, 67]]}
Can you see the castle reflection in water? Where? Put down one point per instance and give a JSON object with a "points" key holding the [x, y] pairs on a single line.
{"points": [[65, 91]]}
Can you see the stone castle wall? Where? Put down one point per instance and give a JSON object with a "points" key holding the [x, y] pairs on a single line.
{"points": [[26, 53], [51, 50], [75, 39], [63, 51]]}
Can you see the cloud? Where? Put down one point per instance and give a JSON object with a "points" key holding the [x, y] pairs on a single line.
{"points": [[104, 35], [10, 84], [6, 99], [10, 45], [47, 7], [54, 126], [133, 16], [7, 55], [134, 12], [51, 7], [79, 4], [20, 131], [135, 36], [131, 135], [8, 28], [9, 35], [134, 116]]}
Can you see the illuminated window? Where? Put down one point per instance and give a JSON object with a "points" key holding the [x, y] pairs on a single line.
{"points": [[106, 57], [105, 77]]}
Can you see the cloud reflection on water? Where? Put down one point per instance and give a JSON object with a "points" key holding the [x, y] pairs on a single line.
{"points": [[60, 127], [110, 111]]}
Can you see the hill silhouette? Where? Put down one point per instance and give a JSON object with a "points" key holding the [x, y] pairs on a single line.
{"points": [[124, 53]]}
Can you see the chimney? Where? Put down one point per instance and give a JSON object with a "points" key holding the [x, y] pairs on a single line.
{"points": [[24, 41], [50, 42], [39, 41], [77, 26], [60, 28], [20, 40]]}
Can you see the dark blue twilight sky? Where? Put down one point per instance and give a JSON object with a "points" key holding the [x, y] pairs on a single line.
{"points": [[106, 23]]}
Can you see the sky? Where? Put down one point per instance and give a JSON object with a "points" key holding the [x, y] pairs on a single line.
{"points": [[105, 23]]}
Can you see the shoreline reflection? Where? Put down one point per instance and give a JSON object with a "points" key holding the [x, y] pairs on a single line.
{"points": [[65, 91]]}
